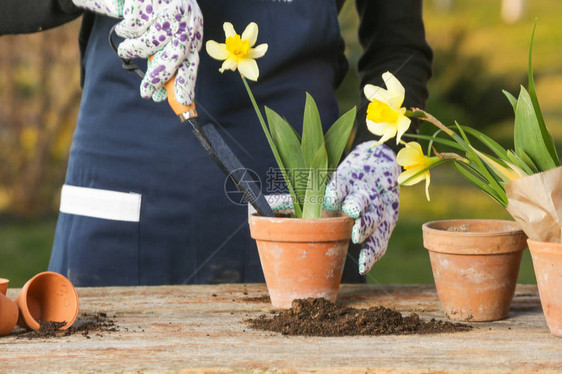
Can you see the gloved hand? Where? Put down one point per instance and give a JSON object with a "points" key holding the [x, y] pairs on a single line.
{"points": [[171, 30], [363, 187]]}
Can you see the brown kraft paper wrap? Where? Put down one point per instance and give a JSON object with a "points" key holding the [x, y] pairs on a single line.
{"points": [[535, 202]]}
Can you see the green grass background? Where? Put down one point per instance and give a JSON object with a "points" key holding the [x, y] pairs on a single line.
{"points": [[25, 245]]}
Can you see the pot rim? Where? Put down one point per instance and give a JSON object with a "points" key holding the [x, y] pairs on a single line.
{"points": [[302, 230], [474, 243], [549, 248], [329, 215], [435, 231]]}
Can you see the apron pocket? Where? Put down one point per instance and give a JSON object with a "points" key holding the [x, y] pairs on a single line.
{"points": [[97, 240], [96, 203]]}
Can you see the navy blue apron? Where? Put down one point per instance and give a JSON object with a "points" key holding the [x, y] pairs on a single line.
{"points": [[186, 229]]}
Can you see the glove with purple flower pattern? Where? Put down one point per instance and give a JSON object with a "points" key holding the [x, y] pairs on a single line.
{"points": [[365, 188], [169, 30]]}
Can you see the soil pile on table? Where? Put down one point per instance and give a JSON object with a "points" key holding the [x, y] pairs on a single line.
{"points": [[320, 317], [85, 325]]}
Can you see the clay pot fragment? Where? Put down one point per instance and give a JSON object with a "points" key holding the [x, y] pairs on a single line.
{"points": [[475, 265], [8, 310], [302, 258], [48, 296]]}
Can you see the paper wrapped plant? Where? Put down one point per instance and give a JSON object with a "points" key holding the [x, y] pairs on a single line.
{"points": [[527, 181]]}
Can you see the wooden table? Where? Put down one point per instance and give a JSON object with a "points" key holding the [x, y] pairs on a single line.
{"points": [[200, 329]]}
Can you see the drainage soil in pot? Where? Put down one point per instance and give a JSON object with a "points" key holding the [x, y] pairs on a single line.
{"points": [[320, 317]]}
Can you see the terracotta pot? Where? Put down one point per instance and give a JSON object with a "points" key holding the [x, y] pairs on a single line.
{"points": [[8, 310], [47, 296], [547, 262], [475, 265], [302, 258], [4, 286]]}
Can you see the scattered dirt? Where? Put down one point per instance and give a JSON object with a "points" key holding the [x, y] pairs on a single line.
{"points": [[257, 299], [85, 325], [320, 317]]}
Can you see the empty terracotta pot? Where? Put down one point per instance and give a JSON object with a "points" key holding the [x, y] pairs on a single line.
{"points": [[547, 262], [47, 296], [4, 285], [302, 258], [475, 265], [8, 310]]}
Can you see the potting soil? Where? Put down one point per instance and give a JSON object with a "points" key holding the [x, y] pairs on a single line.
{"points": [[85, 325], [320, 317]]}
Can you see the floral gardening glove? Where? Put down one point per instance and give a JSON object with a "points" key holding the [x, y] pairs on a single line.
{"points": [[364, 187], [171, 30]]}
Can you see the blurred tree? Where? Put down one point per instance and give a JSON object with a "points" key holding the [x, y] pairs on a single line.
{"points": [[464, 89], [39, 100]]}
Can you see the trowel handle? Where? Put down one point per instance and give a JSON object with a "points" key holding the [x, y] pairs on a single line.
{"points": [[182, 111]]}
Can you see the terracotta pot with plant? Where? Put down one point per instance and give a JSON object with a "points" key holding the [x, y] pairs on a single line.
{"points": [[303, 249], [526, 181]]}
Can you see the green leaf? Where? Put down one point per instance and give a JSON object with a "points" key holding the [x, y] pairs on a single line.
{"points": [[316, 188], [337, 136], [488, 142], [512, 99], [436, 140], [478, 164], [528, 137], [312, 133], [462, 169], [527, 166], [289, 148], [547, 138]]}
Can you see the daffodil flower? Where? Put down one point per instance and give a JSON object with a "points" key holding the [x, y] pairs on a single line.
{"points": [[385, 115], [237, 51], [412, 159]]}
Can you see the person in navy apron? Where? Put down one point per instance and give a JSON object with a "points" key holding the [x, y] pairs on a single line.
{"points": [[143, 203]]}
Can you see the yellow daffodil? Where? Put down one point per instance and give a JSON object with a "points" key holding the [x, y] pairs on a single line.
{"points": [[412, 159], [237, 51], [385, 117]]}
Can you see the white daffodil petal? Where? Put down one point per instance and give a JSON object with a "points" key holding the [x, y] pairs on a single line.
{"points": [[258, 52], [249, 68], [228, 29], [369, 91], [409, 174], [376, 93], [383, 96], [216, 50], [251, 33], [403, 126], [376, 128], [228, 64], [395, 89], [389, 132]]}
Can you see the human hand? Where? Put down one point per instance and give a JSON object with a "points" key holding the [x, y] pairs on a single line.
{"points": [[169, 30], [365, 188]]}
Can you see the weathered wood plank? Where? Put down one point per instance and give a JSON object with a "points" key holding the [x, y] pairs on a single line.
{"points": [[186, 328]]}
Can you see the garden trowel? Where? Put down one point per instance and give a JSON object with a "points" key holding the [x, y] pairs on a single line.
{"points": [[212, 141]]}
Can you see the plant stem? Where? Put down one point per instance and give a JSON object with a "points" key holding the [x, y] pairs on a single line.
{"points": [[298, 211]]}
